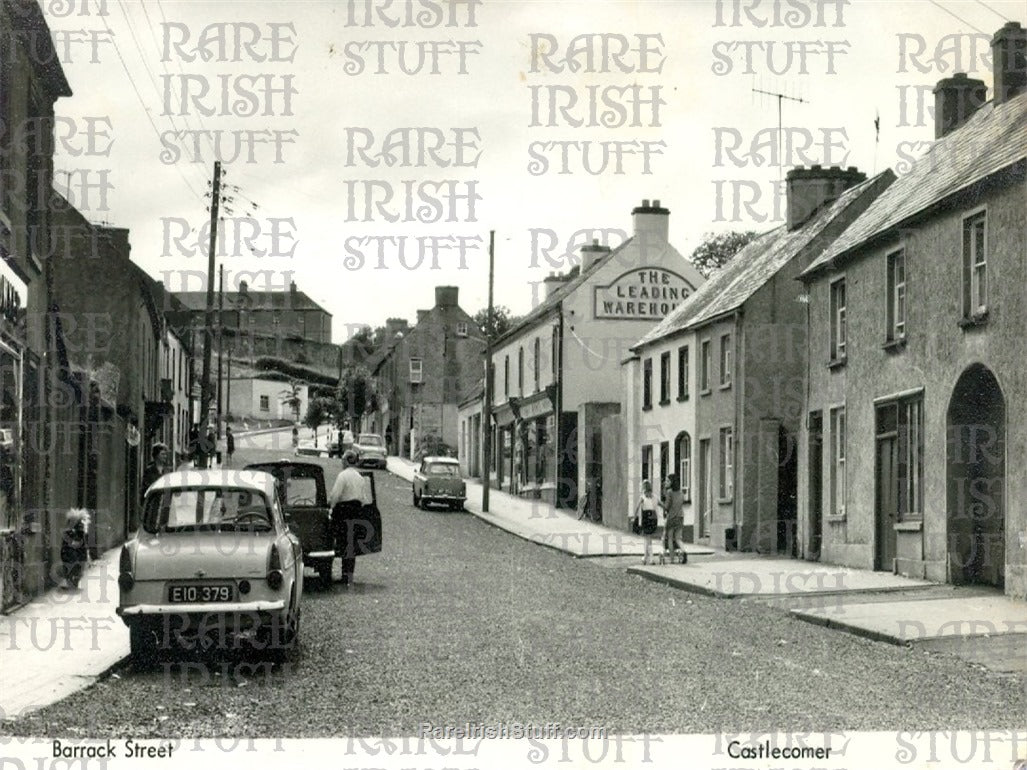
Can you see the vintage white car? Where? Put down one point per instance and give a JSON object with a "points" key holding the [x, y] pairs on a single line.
{"points": [[214, 564]]}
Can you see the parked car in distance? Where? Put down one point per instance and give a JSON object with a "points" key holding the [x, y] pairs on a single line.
{"points": [[6, 438], [438, 480], [304, 496], [213, 555], [370, 449]]}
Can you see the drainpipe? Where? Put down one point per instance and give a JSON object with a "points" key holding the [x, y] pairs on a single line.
{"points": [[739, 375], [558, 406]]}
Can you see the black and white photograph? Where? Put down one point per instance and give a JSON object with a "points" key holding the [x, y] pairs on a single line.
{"points": [[513, 383]]}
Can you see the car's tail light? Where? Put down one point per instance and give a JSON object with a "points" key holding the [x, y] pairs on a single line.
{"points": [[274, 569], [244, 586], [125, 577]]}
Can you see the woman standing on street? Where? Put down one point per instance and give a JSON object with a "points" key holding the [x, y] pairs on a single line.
{"points": [[645, 515]]}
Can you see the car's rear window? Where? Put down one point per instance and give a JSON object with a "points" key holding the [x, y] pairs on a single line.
{"points": [[443, 469], [192, 508], [369, 439]]}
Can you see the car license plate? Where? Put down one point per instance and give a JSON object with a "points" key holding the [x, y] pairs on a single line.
{"points": [[200, 593]]}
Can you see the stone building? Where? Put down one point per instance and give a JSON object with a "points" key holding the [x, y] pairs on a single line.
{"points": [[422, 374], [915, 435]]}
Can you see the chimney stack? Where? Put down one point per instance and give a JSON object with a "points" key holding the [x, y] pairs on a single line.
{"points": [[1009, 61], [809, 189], [651, 224], [394, 326], [447, 296], [421, 315], [552, 282], [955, 100], [593, 252]]}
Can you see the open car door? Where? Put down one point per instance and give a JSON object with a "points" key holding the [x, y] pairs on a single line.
{"points": [[305, 500], [368, 531]]}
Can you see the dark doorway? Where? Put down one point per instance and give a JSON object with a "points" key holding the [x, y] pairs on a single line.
{"points": [[705, 489], [815, 488], [886, 497], [787, 492], [976, 474]]}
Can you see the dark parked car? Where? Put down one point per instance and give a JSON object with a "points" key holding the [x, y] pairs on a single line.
{"points": [[305, 497], [438, 480]]}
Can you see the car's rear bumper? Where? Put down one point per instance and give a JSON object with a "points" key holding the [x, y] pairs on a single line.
{"points": [[223, 608], [444, 499], [319, 555]]}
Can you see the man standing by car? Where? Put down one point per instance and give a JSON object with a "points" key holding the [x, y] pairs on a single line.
{"points": [[348, 496]]}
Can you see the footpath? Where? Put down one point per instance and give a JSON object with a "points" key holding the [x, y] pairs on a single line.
{"points": [[981, 625]]}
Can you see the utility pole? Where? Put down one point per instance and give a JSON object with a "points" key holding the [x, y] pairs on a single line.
{"points": [[221, 341], [205, 451], [486, 473]]}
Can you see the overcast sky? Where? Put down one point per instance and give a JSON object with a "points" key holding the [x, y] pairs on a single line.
{"points": [[847, 62]]}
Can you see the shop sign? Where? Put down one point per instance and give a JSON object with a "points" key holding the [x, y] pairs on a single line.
{"points": [[645, 294], [535, 409]]}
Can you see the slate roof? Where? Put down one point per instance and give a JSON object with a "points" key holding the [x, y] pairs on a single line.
{"points": [[553, 300], [259, 300], [729, 287], [992, 139]]}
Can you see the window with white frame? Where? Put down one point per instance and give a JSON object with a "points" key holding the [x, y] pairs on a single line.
{"points": [[537, 361], [506, 376], [704, 367], [520, 371], [665, 377], [896, 315], [685, 467], [838, 485], [725, 361], [682, 372], [647, 384], [975, 265], [727, 463], [838, 335], [647, 463], [461, 329], [416, 370]]}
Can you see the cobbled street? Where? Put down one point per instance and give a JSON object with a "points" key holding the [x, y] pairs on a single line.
{"points": [[457, 621]]}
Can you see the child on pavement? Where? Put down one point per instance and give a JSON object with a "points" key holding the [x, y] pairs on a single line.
{"points": [[645, 515]]}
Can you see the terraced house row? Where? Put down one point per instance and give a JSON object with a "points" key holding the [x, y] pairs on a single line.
{"points": [[851, 387]]}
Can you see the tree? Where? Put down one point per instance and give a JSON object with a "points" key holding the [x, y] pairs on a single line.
{"points": [[717, 249], [356, 395], [320, 410], [502, 321], [292, 398]]}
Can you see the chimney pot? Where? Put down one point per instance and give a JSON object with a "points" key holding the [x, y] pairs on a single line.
{"points": [[645, 203], [656, 203]]}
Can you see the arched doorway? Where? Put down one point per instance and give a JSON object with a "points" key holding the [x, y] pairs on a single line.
{"points": [[976, 476]]}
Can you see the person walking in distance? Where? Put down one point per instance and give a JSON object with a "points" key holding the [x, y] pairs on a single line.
{"points": [[645, 515], [346, 500], [229, 443]]}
